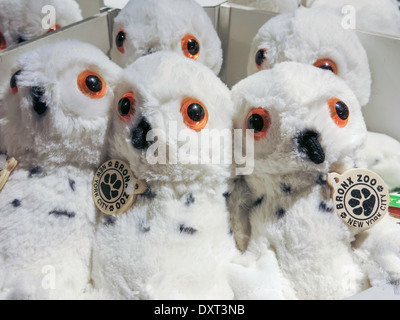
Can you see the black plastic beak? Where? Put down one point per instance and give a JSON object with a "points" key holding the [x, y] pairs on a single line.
{"points": [[310, 146], [39, 106], [139, 135]]}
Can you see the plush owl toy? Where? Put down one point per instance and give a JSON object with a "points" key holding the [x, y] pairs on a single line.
{"points": [[55, 126], [21, 20], [301, 36], [305, 122], [175, 241], [146, 26], [278, 6], [381, 16]]}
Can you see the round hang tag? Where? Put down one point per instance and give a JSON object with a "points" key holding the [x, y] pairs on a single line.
{"points": [[115, 188], [360, 197]]}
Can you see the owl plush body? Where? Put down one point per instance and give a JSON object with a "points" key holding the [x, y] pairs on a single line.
{"points": [[381, 16], [306, 122], [55, 126], [21, 20], [147, 26], [301, 36], [175, 242], [278, 6]]}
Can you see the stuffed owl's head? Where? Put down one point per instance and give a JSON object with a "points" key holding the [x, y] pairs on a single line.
{"points": [[315, 37], [57, 106], [303, 118], [147, 26], [172, 120], [21, 20]]}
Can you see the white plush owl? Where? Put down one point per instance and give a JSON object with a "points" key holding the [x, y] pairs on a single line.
{"points": [[146, 26], [310, 36], [56, 125], [380, 16], [175, 242], [23, 20], [278, 6], [305, 122]]}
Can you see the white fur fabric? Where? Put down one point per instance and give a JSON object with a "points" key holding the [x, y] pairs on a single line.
{"points": [[175, 242], [158, 25], [48, 215], [310, 34], [278, 6], [381, 16], [381, 154], [22, 19], [294, 212]]}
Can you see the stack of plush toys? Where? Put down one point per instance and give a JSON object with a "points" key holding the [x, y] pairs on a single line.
{"points": [[72, 122]]}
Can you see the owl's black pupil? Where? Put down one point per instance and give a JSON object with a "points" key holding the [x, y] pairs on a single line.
{"points": [[13, 82], [260, 57], [120, 39], [124, 106], [193, 47], [94, 84], [342, 110], [326, 66], [256, 123], [196, 112]]}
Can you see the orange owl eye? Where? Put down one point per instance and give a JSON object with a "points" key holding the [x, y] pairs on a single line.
{"points": [[13, 82], [195, 114], [3, 43], [126, 107], [92, 84], [260, 57], [339, 111], [120, 41], [190, 46], [326, 64], [258, 120]]}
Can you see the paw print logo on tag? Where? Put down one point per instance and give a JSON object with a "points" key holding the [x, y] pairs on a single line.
{"points": [[362, 201], [111, 186], [115, 187], [360, 196]]}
